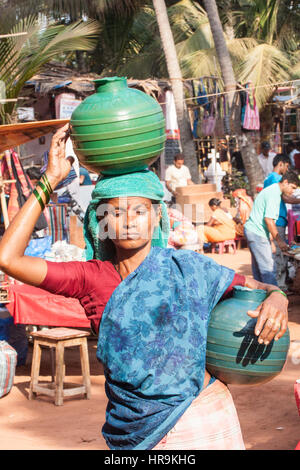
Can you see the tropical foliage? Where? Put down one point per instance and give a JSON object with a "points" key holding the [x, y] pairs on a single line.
{"points": [[22, 56], [262, 37]]}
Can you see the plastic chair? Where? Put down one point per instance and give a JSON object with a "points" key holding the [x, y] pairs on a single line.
{"points": [[224, 246]]}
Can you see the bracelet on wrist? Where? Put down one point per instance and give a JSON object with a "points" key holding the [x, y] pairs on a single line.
{"points": [[277, 290], [40, 200], [45, 191], [46, 181]]}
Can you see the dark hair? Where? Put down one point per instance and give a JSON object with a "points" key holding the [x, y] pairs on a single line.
{"points": [[179, 156], [33, 173], [214, 202], [291, 177], [265, 145], [281, 157]]}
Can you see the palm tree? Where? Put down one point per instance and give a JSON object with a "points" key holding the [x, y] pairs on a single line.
{"points": [[221, 48], [21, 57], [252, 166], [175, 75]]}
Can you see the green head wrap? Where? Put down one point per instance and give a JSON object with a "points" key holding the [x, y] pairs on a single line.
{"points": [[142, 184]]}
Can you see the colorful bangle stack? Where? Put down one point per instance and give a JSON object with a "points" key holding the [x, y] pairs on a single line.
{"points": [[46, 188], [277, 290]]}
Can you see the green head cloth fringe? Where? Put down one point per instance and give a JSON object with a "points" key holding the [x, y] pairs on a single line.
{"points": [[142, 184]]}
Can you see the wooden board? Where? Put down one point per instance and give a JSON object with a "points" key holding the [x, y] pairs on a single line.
{"points": [[12, 135]]}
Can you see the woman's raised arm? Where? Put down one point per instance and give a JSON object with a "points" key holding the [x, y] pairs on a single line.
{"points": [[16, 237]]}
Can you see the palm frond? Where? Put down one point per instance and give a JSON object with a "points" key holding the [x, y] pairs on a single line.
{"points": [[200, 63], [77, 36], [22, 57], [142, 66], [295, 68], [264, 65], [239, 47], [201, 39]]}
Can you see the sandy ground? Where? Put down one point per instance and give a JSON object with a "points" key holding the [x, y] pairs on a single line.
{"points": [[267, 413]]}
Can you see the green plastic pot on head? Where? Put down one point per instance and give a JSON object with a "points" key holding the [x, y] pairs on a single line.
{"points": [[233, 354], [117, 129]]}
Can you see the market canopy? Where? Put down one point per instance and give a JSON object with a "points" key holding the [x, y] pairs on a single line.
{"points": [[12, 135]]}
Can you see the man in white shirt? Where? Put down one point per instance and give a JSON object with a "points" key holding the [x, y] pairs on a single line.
{"points": [[266, 158], [177, 175]]}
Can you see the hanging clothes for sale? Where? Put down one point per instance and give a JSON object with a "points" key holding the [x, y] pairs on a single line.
{"points": [[209, 120], [201, 99], [172, 128], [199, 91], [250, 113], [19, 191]]}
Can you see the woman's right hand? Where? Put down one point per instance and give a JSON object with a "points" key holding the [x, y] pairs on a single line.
{"points": [[58, 166]]}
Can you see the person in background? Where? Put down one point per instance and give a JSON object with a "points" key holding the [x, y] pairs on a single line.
{"points": [[244, 205], [220, 226], [281, 164], [265, 158], [293, 148], [262, 223], [85, 179], [34, 174], [177, 175], [291, 151]]}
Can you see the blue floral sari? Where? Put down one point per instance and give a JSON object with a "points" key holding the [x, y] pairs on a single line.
{"points": [[152, 343]]}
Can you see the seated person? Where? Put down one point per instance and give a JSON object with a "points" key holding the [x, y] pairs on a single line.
{"points": [[244, 206], [220, 226]]}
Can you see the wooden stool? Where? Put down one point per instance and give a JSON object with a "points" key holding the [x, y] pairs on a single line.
{"points": [[59, 338], [224, 246]]}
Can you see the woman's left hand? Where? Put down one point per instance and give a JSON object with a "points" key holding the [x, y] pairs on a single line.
{"points": [[272, 318]]}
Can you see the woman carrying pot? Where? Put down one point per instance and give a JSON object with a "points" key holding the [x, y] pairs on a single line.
{"points": [[153, 306]]}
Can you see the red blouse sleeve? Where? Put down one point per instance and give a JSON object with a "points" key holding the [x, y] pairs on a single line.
{"points": [[238, 280], [91, 282], [65, 278]]}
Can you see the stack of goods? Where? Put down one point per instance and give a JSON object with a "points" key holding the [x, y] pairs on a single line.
{"points": [[8, 362], [62, 251], [4, 288], [183, 232], [8, 355]]}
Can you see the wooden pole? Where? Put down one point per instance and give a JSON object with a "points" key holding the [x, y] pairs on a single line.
{"points": [[3, 201], [3, 198], [12, 35]]}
